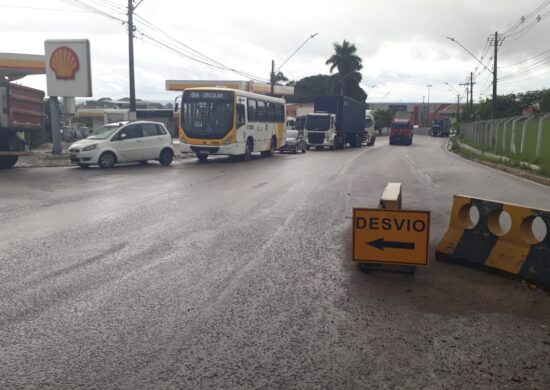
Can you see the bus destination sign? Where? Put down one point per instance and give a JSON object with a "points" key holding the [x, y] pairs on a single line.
{"points": [[208, 95]]}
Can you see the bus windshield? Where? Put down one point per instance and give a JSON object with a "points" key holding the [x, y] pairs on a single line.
{"points": [[207, 114], [318, 122]]}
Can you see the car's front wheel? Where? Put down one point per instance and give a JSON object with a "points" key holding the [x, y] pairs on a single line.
{"points": [[107, 160], [166, 157]]}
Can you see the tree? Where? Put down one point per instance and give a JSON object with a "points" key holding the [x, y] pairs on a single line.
{"points": [[307, 88], [382, 118], [276, 77], [348, 64]]}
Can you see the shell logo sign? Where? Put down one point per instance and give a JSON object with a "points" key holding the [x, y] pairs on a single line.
{"points": [[68, 68], [64, 63]]}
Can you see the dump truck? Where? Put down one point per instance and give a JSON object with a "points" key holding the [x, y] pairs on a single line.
{"points": [[21, 112], [335, 122]]}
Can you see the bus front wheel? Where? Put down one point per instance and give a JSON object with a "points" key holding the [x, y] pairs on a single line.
{"points": [[202, 156]]}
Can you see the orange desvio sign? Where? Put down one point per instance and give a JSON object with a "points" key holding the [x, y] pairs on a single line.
{"points": [[391, 236]]}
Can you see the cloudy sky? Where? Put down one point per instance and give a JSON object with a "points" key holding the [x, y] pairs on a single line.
{"points": [[402, 42]]}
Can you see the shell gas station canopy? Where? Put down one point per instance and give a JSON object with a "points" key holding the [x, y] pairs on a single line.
{"points": [[14, 66], [250, 86]]}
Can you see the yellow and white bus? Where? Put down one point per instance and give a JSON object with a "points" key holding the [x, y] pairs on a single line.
{"points": [[230, 122]]}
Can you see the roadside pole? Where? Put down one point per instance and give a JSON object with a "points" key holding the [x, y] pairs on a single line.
{"points": [[55, 121]]}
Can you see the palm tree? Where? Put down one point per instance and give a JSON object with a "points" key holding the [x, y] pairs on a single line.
{"points": [[348, 64], [274, 78]]}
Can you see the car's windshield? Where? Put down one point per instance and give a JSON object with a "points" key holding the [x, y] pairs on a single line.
{"points": [[317, 122], [291, 134], [106, 131], [208, 114]]}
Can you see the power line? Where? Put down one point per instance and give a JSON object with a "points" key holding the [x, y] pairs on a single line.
{"points": [[528, 59], [214, 63], [91, 9], [40, 8]]}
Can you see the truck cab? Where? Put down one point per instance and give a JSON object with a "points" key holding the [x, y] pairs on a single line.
{"points": [[321, 130]]}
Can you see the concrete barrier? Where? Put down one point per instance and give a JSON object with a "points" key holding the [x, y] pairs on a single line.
{"points": [[391, 197], [487, 245]]}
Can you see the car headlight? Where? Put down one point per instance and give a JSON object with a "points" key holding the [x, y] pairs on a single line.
{"points": [[228, 141], [90, 147]]}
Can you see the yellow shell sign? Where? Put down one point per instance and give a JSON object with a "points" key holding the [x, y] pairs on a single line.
{"points": [[64, 62], [68, 67]]}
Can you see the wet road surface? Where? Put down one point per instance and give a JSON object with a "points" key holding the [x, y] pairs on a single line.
{"points": [[237, 274]]}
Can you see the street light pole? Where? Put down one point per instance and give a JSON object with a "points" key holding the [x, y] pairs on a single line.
{"points": [[274, 71], [428, 114]]}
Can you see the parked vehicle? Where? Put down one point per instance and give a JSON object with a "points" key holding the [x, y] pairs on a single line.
{"points": [[336, 121], [295, 141], [441, 128], [124, 142], [21, 112], [225, 121], [369, 129], [401, 132]]}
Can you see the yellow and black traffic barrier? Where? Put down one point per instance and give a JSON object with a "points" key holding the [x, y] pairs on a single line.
{"points": [[485, 244]]}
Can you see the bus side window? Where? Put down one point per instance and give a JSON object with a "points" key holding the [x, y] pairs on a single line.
{"points": [[241, 120], [261, 114], [252, 110], [270, 112]]}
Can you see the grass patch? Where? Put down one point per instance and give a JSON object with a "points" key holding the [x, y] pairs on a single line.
{"points": [[514, 162]]}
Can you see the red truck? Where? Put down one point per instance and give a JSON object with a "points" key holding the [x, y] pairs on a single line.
{"points": [[21, 112], [401, 132]]}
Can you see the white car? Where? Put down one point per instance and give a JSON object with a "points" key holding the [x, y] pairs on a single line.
{"points": [[122, 142]]}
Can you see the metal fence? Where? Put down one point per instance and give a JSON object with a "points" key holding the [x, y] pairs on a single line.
{"points": [[527, 137]]}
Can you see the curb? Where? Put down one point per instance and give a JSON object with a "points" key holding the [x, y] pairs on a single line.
{"points": [[512, 171]]}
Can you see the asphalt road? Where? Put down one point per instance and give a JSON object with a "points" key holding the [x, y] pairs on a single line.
{"points": [[237, 274]]}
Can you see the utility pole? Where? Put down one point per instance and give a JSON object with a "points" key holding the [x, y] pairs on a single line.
{"points": [[131, 29], [272, 77], [495, 42], [458, 107], [472, 96], [466, 109]]}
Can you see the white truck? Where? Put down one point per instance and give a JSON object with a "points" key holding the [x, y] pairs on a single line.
{"points": [[337, 121]]}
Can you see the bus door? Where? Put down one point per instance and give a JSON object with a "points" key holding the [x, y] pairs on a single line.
{"points": [[261, 126]]}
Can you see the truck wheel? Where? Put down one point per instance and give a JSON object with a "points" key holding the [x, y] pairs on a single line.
{"points": [[8, 161]]}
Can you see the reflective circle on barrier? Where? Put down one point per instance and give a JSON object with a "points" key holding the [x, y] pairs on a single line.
{"points": [[500, 222], [533, 230], [468, 216]]}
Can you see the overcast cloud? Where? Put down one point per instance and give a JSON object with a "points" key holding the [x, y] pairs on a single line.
{"points": [[402, 42]]}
